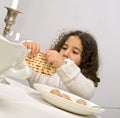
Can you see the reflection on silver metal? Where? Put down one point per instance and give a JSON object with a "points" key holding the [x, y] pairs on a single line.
{"points": [[10, 19], [107, 107]]}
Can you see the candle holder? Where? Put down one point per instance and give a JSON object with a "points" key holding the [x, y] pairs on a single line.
{"points": [[10, 19]]}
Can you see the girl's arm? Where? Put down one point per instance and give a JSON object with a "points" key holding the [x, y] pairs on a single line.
{"points": [[75, 81]]}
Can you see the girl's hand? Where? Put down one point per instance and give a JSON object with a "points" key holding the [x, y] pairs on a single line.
{"points": [[33, 47], [54, 58]]}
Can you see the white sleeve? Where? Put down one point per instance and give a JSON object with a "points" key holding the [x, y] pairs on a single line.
{"points": [[75, 81]]}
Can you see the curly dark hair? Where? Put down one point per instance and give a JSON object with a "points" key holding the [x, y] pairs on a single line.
{"points": [[90, 62]]}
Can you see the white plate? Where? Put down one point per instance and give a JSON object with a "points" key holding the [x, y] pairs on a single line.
{"points": [[65, 104]]}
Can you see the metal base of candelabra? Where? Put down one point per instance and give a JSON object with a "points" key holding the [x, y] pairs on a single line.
{"points": [[10, 19]]}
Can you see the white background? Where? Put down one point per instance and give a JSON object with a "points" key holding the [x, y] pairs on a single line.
{"points": [[44, 20]]}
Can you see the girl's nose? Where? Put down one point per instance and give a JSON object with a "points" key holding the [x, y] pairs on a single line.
{"points": [[66, 54]]}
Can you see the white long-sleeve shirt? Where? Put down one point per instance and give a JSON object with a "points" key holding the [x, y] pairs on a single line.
{"points": [[67, 77]]}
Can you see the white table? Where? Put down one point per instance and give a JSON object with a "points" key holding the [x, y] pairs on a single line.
{"points": [[18, 100]]}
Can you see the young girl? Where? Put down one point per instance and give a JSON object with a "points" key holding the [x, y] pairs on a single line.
{"points": [[75, 56]]}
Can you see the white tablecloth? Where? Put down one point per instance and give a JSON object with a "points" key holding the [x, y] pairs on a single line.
{"points": [[17, 100]]}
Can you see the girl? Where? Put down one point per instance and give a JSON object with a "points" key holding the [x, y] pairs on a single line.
{"points": [[75, 56]]}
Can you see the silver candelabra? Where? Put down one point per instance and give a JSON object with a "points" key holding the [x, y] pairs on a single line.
{"points": [[10, 19]]}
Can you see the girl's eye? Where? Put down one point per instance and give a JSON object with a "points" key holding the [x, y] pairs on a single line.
{"points": [[64, 48], [76, 52]]}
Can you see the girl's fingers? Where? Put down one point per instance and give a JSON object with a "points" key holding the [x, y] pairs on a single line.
{"points": [[34, 47]]}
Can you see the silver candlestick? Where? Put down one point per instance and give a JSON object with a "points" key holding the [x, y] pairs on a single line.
{"points": [[10, 19]]}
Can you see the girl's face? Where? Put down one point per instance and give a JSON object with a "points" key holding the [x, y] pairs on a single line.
{"points": [[72, 49]]}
